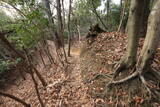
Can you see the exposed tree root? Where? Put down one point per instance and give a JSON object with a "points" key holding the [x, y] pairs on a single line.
{"points": [[99, 76], [156, 73], [132, 76], [123, 64], [138, 72], [145, 84], [118, 68]]}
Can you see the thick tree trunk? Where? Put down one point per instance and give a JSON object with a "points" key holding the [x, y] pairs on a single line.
{"points": [[132, 31], [69, 31], [150, 45], [145, 10], [133, 26], [152, 37]]}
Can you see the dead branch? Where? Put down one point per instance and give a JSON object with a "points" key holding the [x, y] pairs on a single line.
{"points": [[15, 98]]}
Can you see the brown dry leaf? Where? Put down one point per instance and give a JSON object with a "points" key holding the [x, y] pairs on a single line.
{"points": [[138, 99], [99, 100]]}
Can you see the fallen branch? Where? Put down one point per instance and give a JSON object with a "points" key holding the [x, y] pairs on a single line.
{"points": [[15, 98]]}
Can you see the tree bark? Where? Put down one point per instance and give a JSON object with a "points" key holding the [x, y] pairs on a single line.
{"points": [[64, 19], [145, 10], [60, 23], [60, 27], [108, 9], [152, 38], [133, 30], [69, 31], [51, 23], [149, 48], [133, 26]]}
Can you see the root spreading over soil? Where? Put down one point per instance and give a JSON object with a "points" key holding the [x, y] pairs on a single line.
{"points": [[97, 62]]}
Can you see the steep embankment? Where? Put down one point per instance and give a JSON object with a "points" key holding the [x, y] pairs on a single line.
{"points": [[97, 60]]}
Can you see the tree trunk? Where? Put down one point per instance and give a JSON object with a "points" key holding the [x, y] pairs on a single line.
{"points": [[51, 23], [64, 20], [108, 10], [78, 32], [152, 38], [149, 48], [48, 10], [123, 9], [31, 68], [60, 24], [40, 54], [133, 30], [95, 12], [133, 26], [37, 91], [60, 27], [145, 10], [69, 31]]}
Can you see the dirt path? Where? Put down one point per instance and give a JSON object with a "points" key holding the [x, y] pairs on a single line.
{"points": [[76, 91], [62, 91]]}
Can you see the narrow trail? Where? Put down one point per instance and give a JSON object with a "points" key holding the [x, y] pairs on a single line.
{"points": [[62, 91], [77, 91]]}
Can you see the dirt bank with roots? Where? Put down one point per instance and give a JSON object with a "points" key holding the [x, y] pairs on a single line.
{"points": [[98, 57]]}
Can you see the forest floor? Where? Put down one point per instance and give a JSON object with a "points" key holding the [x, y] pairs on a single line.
{"points": [[65, 89], [77, 85]]}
